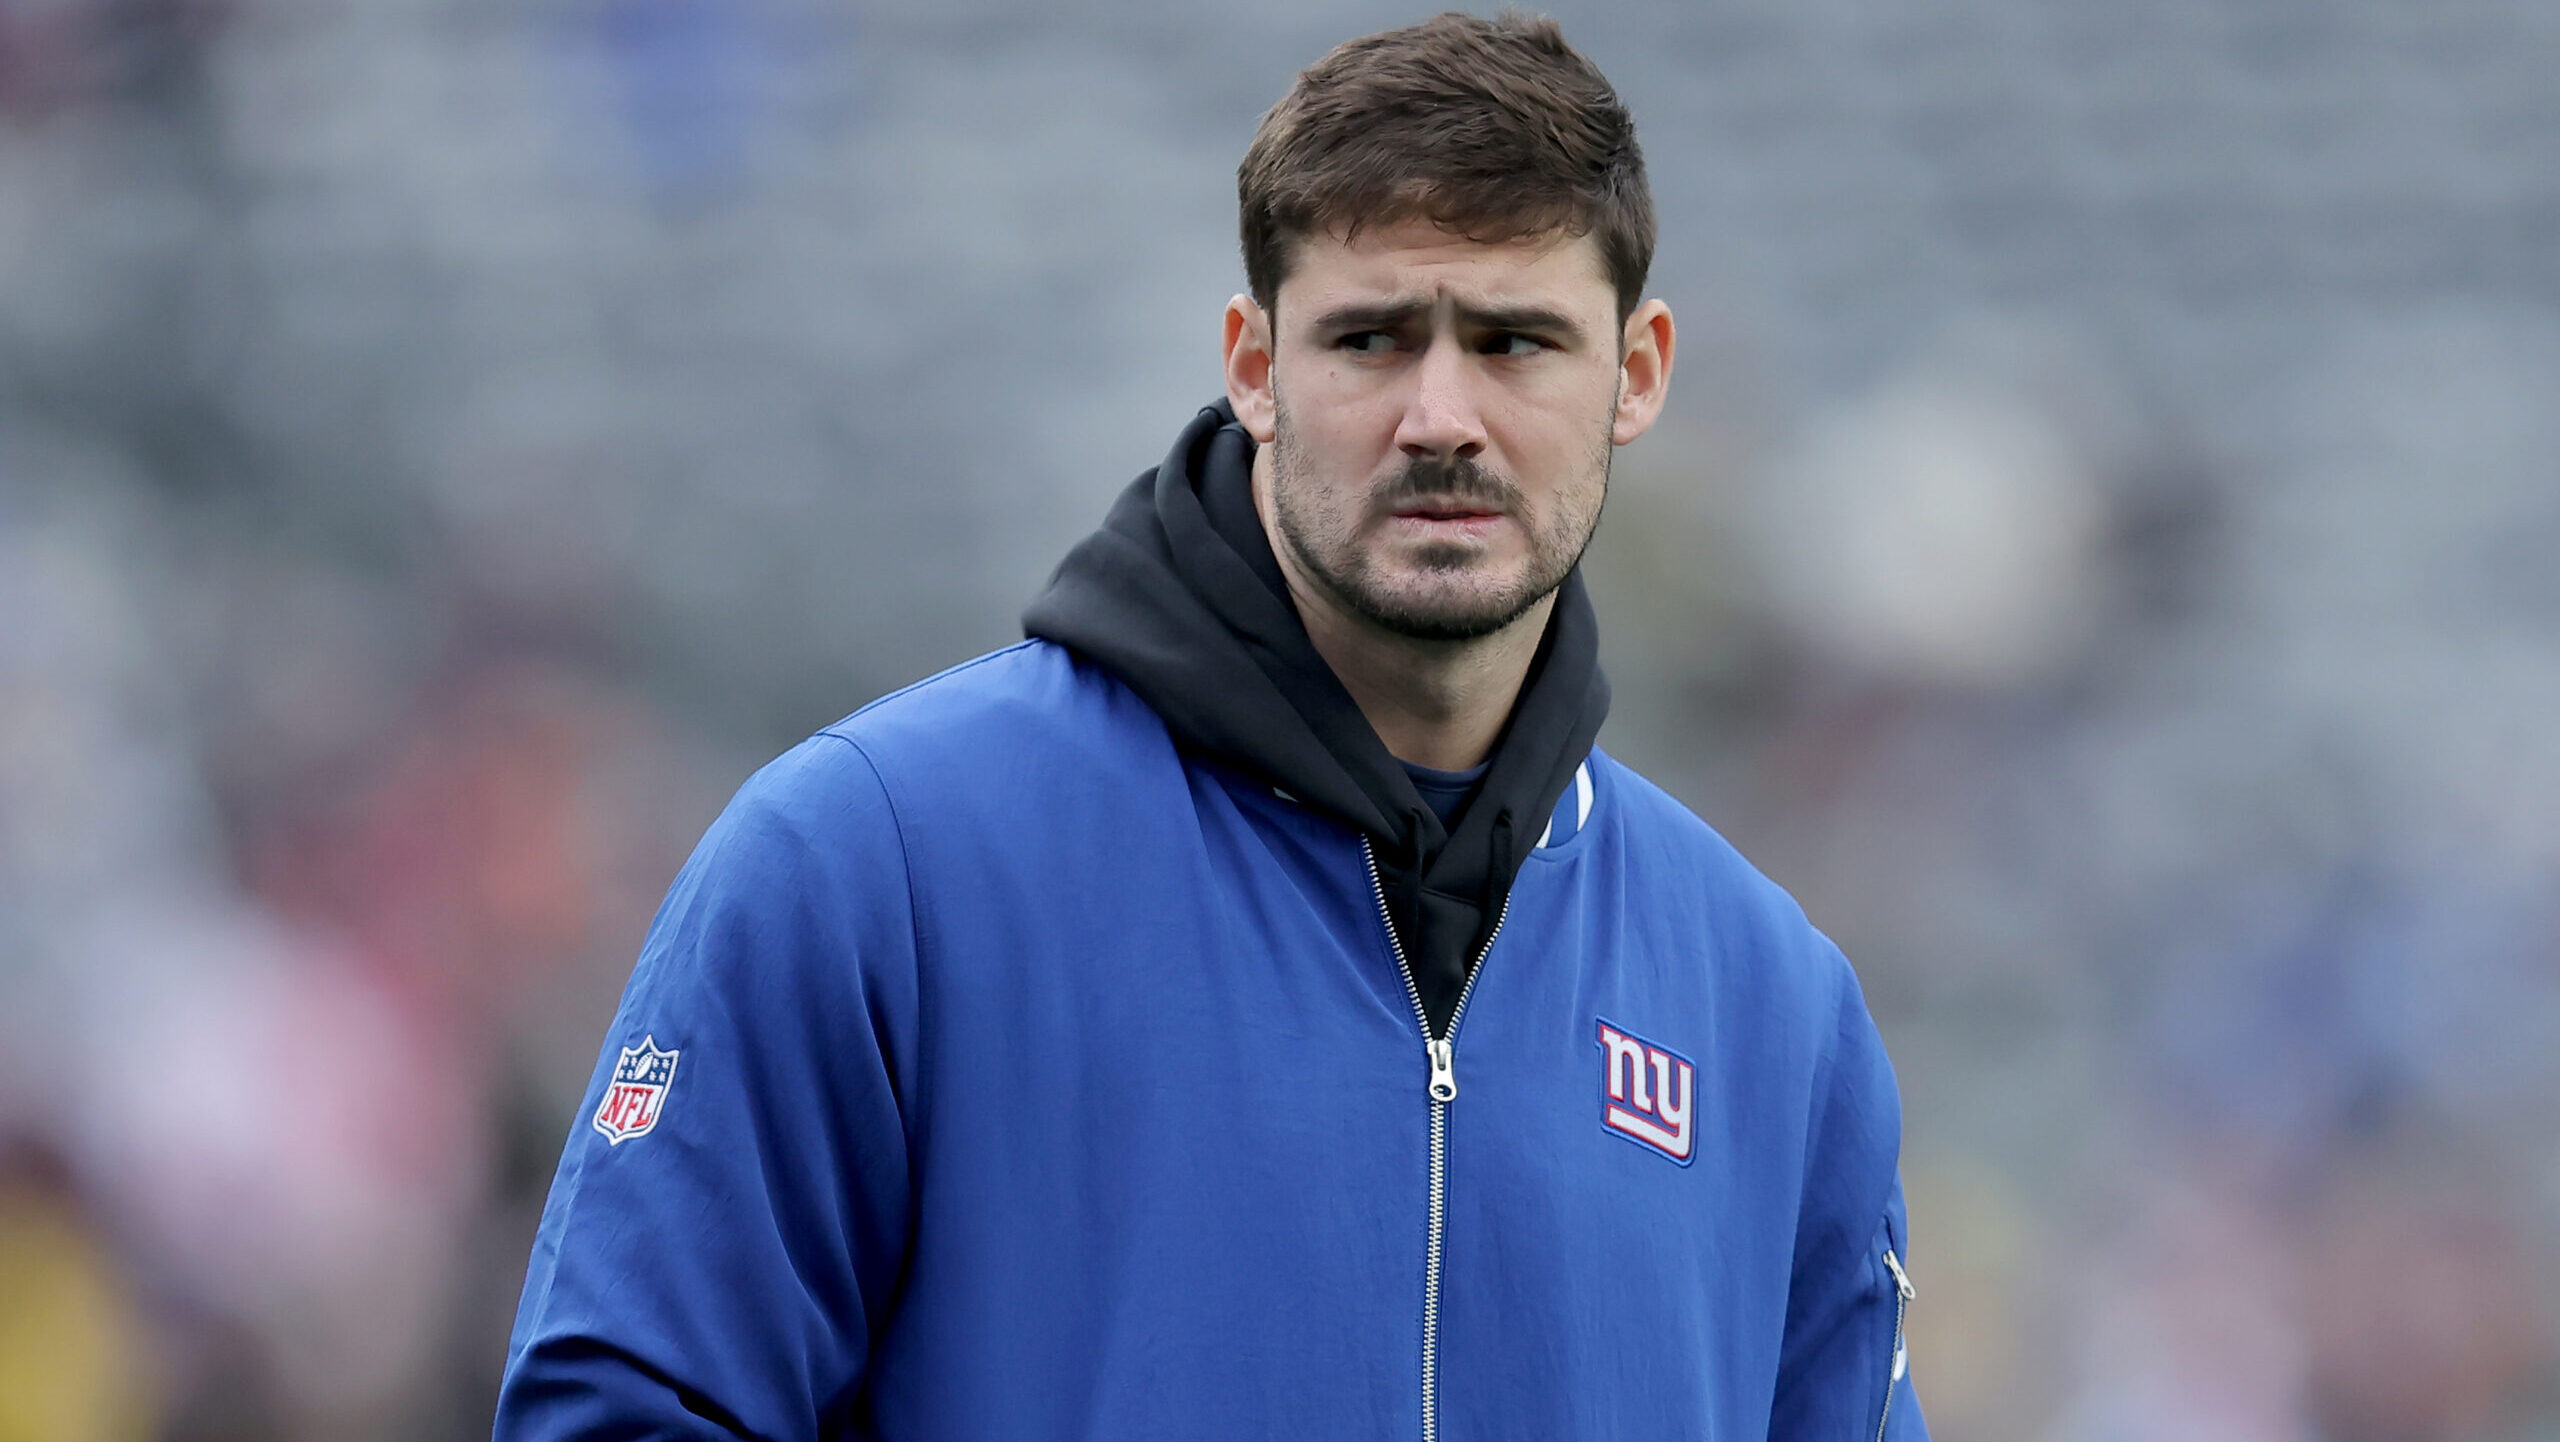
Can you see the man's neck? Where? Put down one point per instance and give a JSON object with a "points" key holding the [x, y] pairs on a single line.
{"points": [[1440, 704]]}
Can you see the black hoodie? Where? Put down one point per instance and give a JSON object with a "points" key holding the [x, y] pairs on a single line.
{"points": [[1180, 597]]}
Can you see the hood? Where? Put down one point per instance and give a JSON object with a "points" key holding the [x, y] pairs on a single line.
{"points": [[1179, 596]]}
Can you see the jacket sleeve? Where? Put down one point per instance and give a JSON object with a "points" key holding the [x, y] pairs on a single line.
{"points": [[717, 1261], [1844, 1367]]}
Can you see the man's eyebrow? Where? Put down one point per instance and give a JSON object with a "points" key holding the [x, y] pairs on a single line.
{"points": [[1404, 311], [1520, 317], [1373, 315]]}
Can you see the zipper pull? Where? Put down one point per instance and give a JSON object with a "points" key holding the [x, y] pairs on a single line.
{"points": [[1901, 1278], [1444, 1070]]}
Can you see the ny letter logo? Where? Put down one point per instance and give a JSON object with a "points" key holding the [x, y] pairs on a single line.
{"points": [[1649, 1093]]}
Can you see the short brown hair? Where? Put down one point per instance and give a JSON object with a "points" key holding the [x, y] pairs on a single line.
{"points": [[1494, 129]]}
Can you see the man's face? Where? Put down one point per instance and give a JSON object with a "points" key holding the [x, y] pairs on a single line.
{"points": [[1441, 416]]}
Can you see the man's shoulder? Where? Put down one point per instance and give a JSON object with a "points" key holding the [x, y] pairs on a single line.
{"points": [[1006, 722], [1658, 821], [1670, 845], [990, 736], [1024, 694]]}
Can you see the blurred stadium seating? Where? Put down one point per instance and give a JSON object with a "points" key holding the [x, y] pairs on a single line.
{"points": [[2104, 557]]}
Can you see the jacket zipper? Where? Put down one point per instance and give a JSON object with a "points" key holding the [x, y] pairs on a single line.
{"points": [[1903, 1292], [1441, 1054]]}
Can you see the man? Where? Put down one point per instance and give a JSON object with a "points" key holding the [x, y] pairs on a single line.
{"points": [[1251, 1008]]}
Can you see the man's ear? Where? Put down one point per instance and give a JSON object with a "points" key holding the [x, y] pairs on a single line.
{"points": [[1644, 370], [1248, 361]]}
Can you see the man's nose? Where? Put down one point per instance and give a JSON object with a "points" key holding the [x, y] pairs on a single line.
{"points": [[1441, 420]]}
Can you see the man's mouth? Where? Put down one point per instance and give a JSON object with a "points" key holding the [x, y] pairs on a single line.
{"points": [[1436, 510], [1449, 522]]}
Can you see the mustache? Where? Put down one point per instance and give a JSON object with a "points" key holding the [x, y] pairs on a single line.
{"points": [[1456, 478]]}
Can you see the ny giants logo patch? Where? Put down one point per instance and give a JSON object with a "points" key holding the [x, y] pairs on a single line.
{"points": [[633, 1103], [1648, 1094]]}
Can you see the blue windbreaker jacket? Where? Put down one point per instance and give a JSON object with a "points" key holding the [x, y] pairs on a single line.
{"points": [[995, 1070]]}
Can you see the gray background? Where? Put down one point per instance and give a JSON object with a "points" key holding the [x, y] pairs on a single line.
{"points": [[2103, 556]]}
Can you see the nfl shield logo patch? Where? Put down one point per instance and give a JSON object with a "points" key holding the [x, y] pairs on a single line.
{"points": [[639, 1092]]}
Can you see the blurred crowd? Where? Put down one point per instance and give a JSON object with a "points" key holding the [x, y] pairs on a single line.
{"points": [[2104, 557]]}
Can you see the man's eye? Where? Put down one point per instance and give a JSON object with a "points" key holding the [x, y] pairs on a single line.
{"points": [[1512, 343], [1368, 342]]}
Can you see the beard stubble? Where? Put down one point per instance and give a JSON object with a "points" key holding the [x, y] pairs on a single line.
{"points": [[1327, 541]]}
